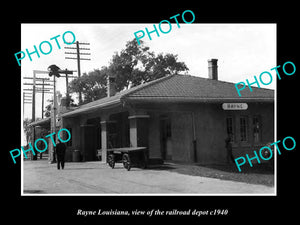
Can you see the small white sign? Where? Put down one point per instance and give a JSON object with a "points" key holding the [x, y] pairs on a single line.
{"points": [[235, 106]]}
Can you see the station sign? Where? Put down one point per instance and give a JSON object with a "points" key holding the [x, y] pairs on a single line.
{"points": [[235, 106]]}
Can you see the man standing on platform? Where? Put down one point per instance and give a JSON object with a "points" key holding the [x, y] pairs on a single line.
{"points": [[60, 153]]}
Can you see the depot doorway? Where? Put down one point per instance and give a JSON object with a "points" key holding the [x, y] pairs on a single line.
{"points": [[165, 137]]}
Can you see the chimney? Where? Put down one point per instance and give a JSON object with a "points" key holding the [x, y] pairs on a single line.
{"points": [[213, 69], [111, 85]]}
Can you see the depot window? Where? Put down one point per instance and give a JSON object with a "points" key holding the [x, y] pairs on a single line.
{"points": [[244, 128], [230, 128], [256, 129]]}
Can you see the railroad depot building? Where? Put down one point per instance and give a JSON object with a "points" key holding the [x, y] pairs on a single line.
{"points": [[178, 117]]}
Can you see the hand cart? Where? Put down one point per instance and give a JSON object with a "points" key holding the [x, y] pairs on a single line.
{"points": [[129, 156]]}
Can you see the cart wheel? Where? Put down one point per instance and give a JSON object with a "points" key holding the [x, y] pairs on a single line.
{"points": [[126, 161], [111, 160], [143, 164]]}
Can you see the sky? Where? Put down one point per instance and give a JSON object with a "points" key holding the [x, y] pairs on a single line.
{"points": [[242, 50]]}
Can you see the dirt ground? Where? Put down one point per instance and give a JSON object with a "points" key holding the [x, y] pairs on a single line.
{"points": [[258, 174], [40, 177]]}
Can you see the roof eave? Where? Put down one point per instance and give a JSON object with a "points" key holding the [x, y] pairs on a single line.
{"points": [[92, 108], [196, 100], [41, 122]]}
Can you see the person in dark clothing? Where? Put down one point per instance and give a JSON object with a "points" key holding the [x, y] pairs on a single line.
{"points": [[41, 146], [228, 146], [60, 153]]}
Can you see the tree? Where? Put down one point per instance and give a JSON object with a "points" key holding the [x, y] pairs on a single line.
{"points": [[129, 65], [47, 112], [91, 85], [134, 65]]}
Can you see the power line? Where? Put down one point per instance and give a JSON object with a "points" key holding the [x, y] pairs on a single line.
{"points": [[78, 58], [35, 89]]}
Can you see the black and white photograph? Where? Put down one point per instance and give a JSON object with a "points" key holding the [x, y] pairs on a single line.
{"points": [[147, 115], [160, 116]]}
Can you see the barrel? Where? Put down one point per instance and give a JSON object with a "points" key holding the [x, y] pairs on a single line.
{"points": [[76, 156]]}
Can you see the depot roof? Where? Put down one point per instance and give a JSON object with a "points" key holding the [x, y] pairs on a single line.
{"points": [[41, 122], [180, 89]]}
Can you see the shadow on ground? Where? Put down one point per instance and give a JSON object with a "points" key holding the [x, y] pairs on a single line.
{"points": [[33, 192], [258, 174]]}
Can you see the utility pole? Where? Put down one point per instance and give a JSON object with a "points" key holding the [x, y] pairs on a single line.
{"points": [[67, 75], [78, 58], [33, 99], [55, 71], [27, 99], [35, 90], [43, 85]]}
